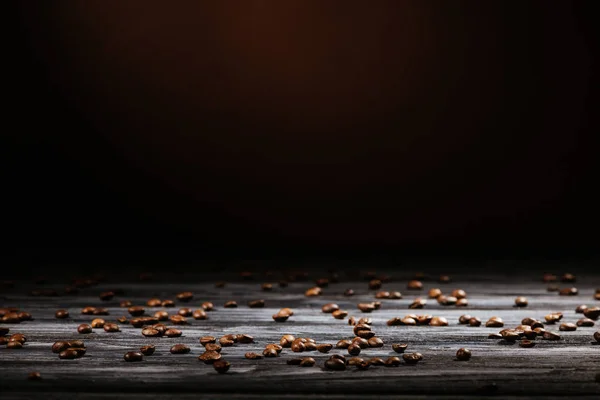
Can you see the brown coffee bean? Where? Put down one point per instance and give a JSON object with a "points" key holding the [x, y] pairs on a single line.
{"points": [[204, 340], [348, 292], [366, 307], [526, 343], [360, 342], [399, 347], [185, 312], [592, 313], [581, 308], [34, 376], [360, 327], [256, 303], [213, 347], [111, 328], [133, 356], [339, 314], [329, 308], [597, 336], [106, 296], [226, 342], [13, 344], [209, 357], [412, 358], [147, 350], [253, 356], [151, 332], [424, 319], [314, 291], [18, 337], [382, 295], [230, 304], [567, 327], [136, 310], [550, 336], [221, 366], [168, 303], [434, 293], [61, 314], [353, 349], [185, 296], [286, 340], [161, 315], [294, 361], [444, 279], [463, 354], [462, 303], [414, 285], [69, 354], [394, 321], [324, 348], [57, 347], [267, 287], [307, 362], [270, 352], [375, 342], [308, 346], [298, 347], [274, 346], [343, 344], [280, 318], [178, 320], [98, 323], [438, 321], [207, 306], [154, 302], [161, 328], [494, 322], [510, 335], [395, 295], [568, 278], [199, 314], [597, 296], [335, 364], [84, 328], [447, 300], [418, 303], [585, 322], [549, 278], [100, 311], [244, 338], [553, 318], [354, 361], [374, 284], [172, 332], [392, 362], [125, 304], [365, 334], [464, 319], [180, 349], [24, 316], [568, 291]]}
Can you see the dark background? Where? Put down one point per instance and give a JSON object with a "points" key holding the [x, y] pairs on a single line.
{"points": [[140, 131]]}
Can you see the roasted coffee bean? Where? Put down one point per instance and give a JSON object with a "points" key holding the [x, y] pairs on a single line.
{"points": [[394, 322], [392, 362], [360, 342], [353, 349], [17, 337], [133, 356], [494, 322], [24, 316], [597, 336], [154, 302], [335, 364], [418, 303], [309, 346], [270, 352], [459, 294], [581, 308], [13, 344], [527, 321], [180, 349], [348, 292], [366, 334], [185, 312], [12, 318], [136, 310], [463, 354], [567, 327], [208, 306], [61, 314], [294, 361], [550, 336], [553, 318], [597, 296], [69, 354], [568, 278], [84, 328], [100, 311], [298, 347], [34, 376], [526, 343], [178, 320], [200, 314], [592, 313], [521, 301], [438, 321], [363, 365], [125, 304], [111, 328], [343, 344], [253, 356], [161, 328], [434, 293], [382, 295], [324, 348], [57, 347], [425, 319], [412, 358], [230, 304], [366, 307], [376, 361], [161, 315], [256, 303], [414, 285], [286, 340], [213, 347], [447, 300], [226, 341], [168, 303], [462, 303], [209, 357], [354, 361], [375, 342], [399, 347], [151, 332], [172, 332], [586, 322], [494, 336], [568, 291], [98, 323], [307, 362], [204, 340], [395, 295], [444, 279], [185, 296], [464, 319], [106, 296], [314, 291], [221, 366], [244, 338], [374, 284], [361, 327], [329, 308], [510, 335], [3, 340], [339, 314], [280, 318], [147, 350]]}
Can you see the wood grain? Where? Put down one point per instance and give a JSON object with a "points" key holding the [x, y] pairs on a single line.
{"points": [[562, 368]]}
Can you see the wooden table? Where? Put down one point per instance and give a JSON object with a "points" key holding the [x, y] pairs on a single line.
{"points": [[563, 368]]}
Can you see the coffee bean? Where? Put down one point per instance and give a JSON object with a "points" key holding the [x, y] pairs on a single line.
{"points": [[34, 376], [394, 322], [494, 322], [592, 313], [161, 315], [253, 356], [549, 278], [14, 345], [185, 312], [376, 361], [213, 347], [510, 335], [221, 366], [343, 344], [154, 302], [463, 354], [464, 319], [425, 319], [84, 328], [298, 346], [100, 311], [180, 349], [226, 341], [244, 338], [374, 284], [294, 361], [399, 347], [392, 362], [309, 346], [57, 347], [18, 337], [172, 332], [366, 334], [434, 293], [550, 336], [553, 318], [324, 348], [354, 361], [136, 310], [597, 336], [364, 321], [330, 308], [526, 343], [363, 365], [168, 303], [395, 295], [61, 314], [581, 308], [133, 356], [199, 314], [360, 342], [418, 303], [444, 279], [204, 340], [585, 322], [256, 303], [185, 296], [106, 296], [270, 352], [98, 323], [280, 318], [567, 327], [111, 328], [151, 332], [24, 316], [147, 350], [307, 362], [568, 278], [412, 358], [209, 357], [314, 291], [339, 314], [447, 300], [375, 342], [348, 292], [335, 364], [462, 303], [353, 349], [178, 320], [414, 285], [286, 340], [438, 321], [597, 296], [230, 304], [568, 291], [382, 295], [69, 354]]}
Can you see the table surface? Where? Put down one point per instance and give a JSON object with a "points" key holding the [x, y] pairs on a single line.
{"points": [[552, 368]]}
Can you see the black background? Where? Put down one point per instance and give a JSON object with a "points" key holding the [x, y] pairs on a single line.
{"points": [[137, 131]]}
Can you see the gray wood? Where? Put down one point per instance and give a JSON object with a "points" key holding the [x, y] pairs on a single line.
{"points": [[562, 368]]}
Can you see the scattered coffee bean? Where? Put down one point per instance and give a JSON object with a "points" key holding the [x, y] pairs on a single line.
{"points": [[354, 360], [330, 308], [172, 332], [585, 322], [568, 291], [510, 335], [111, 328], [343, 344], [270, 352], [57, 347], [34, 376], [581, 308], [382, 295], [567, 327], [133, 356], [147, 350], [253, 356], [339, 314], [244, 338], [438, 321], [98, 323], [462, 302], [84, 328], [568, 278], [314, 291], [494, 322], [412, 358], [226, 341], [395, 295], [549, 278], [286, 340], [221, 366], [178, 320], [106, 296], [100, 311], [526, 343], [360, 342], [185, 296], [521, 301], [550, 336], [213, 347], [161, 315], [61, 314], [168, 303], [459, 294], [280, 318], [230, 304], [597, 336], [463, 354], [335, 364], [18, 337], [418, 303], [136, 311], [180, 349], [553, 318], [434, 293], [324, 348], [185, 312], [399, 347], [592, 313], [14, 345], [307, 362], [375, 342], [204, 340], [154, 302], [69, 354], [151, 332], [209, 357], [447, 300], [374, 284], [24, 316], [256, 303], [392, 362], [353, 349]]}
